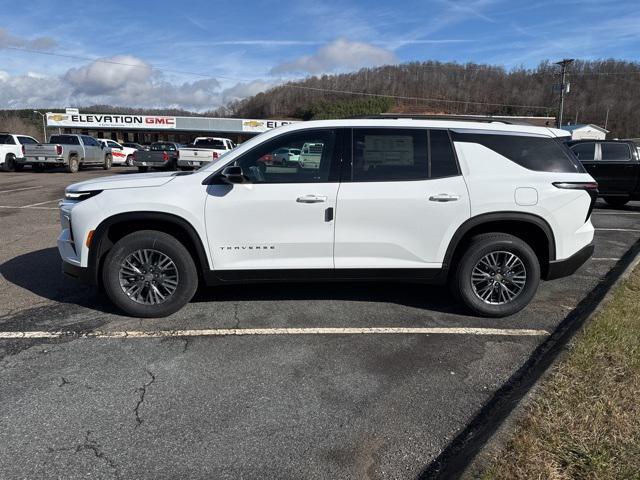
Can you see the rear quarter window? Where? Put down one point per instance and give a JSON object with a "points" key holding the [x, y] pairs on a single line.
{"points": [[541, 154]]}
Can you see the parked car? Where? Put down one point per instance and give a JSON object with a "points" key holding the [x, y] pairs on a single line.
{"points": [[12, 150], [135, 146], [287, 156], [615, 164], [309, 156], [159, 155], [70, 151], [120, 154], [489, 208], [204, 150]]}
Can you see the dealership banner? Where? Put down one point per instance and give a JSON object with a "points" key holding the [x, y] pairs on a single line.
{"points": [[262, 125], [109, 120]]}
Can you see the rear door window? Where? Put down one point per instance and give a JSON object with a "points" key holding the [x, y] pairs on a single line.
{"points": [[615, 152], [7, 140], [542, 154], [585, 152], [389, 155]]}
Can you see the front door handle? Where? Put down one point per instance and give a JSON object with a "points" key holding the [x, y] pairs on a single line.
{"points": [[444, 197], [311, 199]]}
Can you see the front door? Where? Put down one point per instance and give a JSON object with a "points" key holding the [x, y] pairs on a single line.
{"points": [[283, 216], [404, 201], [616, 168]]}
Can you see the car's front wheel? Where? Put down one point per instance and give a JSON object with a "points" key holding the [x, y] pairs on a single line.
{"points": [[498, 275], [616, 201], [149, 274]]}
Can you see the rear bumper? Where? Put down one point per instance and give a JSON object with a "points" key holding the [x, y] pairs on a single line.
{"points": [[35, 160], [567, 266]]}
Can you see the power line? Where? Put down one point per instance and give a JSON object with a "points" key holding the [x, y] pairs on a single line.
{"points": [[400, 97]]}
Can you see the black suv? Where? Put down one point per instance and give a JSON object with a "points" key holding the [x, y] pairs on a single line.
{"points": [[615, 164]]}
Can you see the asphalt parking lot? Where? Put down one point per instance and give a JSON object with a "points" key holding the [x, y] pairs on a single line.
{"points": [[319, 404]]}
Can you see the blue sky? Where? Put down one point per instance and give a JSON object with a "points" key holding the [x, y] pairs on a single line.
{"points": [[199, 55]]}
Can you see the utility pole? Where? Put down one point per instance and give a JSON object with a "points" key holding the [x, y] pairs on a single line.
{"points": [[563, 87], [606, 120], [44, 125]]}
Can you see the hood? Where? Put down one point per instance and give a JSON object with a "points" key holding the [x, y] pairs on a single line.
{"points": [[135, 180]]}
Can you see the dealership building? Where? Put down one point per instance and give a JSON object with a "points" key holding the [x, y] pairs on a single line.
{"points": [[145, 129]]}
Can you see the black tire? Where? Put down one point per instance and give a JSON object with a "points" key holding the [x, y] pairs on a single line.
{"points": [[476, 250], [18, 167], [172, 166], [9, 164], [616, 201], [74, 164], [107, 162], [129, 161], [38, 167], [187, 275]]}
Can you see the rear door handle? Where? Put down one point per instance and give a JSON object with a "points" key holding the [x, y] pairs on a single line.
{"points": [[444, 197], [311, 199]]}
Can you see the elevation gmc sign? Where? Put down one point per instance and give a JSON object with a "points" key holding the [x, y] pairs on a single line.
{"points": [[99, 120]]}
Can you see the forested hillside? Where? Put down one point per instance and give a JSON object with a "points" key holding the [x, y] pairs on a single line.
{"points": [[433, 87]]}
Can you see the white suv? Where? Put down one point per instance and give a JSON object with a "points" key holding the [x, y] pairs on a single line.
{"points": [[489, 208]]}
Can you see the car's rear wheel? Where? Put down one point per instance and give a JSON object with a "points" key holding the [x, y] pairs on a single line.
{"points": [[498, 275], [9, 164], [129, 161], [616, 201], [107, 162], [74, 165], [149, 274]]}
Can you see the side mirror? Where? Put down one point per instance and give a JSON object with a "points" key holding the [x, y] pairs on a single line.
{"points": [[232, 174]]}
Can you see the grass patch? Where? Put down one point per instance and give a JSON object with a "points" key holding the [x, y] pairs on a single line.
{"points": [[584, 420]]}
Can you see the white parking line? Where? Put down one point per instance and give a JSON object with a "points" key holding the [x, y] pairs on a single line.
{"points": [[41, 203], [617, 230], [221, 332], [606, 259], [30, 207], [20, 189]]}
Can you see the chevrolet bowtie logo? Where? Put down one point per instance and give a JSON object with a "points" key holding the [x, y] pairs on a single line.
{"points": [[58, 118], [253, 123]]}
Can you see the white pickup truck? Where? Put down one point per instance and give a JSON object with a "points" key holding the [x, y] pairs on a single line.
{"points": [[204, 150], [12, 149]]}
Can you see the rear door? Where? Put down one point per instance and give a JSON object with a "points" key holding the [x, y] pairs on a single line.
{"points": [[617, 168], [402, 200], [92, 150]]}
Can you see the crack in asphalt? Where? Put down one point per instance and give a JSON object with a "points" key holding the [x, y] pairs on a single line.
{"points": [[143, 391], [235, 315], [64, 382], [90, 445]]}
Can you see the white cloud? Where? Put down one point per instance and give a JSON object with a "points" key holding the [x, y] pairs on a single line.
{"points": [[120, 81], [38, 43], [109, 74], [338, 55]]}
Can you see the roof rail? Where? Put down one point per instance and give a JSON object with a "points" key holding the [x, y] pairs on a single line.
{"points": [[461, 118]]}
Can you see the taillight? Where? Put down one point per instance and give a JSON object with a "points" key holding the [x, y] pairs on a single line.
{"points": [[214, 155], [177, 153], [165, 156], [58, 149], [590, 187], [133, 156], [22, 148]]}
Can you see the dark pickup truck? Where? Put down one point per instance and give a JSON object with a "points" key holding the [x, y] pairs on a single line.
{"points": [[159, 155], [615, 164]]}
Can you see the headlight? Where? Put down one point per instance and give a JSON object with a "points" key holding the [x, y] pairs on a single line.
{"points": [[79, 196]]}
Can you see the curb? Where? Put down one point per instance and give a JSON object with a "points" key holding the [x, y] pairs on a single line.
{"points": [[464, 450]]}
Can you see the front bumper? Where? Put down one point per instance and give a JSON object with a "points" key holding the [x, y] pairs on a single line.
{"points": [[567, 266], [83, 274]]}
